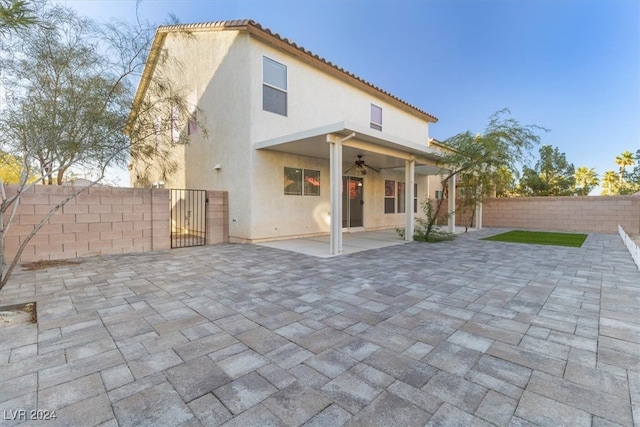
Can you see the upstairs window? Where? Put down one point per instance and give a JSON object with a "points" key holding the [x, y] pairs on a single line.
{"points": [[274, 86], [376, 117]]}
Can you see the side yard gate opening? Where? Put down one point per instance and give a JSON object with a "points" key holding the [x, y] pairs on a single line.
{"points": [[188, 218]]}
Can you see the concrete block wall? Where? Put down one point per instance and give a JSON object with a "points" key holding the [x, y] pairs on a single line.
{"points": [[463, 214], [99, 221], [217, 217], [595, 214]]}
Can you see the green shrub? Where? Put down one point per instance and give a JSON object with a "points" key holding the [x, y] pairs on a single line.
{"points": [[426, 229]]}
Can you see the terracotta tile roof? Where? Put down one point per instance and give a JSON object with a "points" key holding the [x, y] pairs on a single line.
{"points": [[269, 36]]}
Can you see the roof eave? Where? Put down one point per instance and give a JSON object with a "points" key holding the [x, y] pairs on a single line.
{"points": [[149, 69]]}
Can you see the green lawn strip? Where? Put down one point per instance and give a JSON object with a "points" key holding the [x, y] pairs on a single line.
{"points": [[540, 238]]}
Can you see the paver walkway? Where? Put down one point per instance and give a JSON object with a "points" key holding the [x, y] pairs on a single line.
{"points": [[467, 332]]}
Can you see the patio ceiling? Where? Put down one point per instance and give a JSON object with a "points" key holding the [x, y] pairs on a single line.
{"points": [[380, 150]]}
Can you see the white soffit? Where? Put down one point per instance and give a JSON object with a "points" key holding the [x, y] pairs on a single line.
{"points": [[378, 147]]}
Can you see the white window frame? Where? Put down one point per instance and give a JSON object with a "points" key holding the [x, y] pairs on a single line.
{"points": [[274, 87], [391, 198], [301, 182], [375, 125]]}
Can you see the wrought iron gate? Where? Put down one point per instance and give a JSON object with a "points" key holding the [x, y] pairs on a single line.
{"points": [[188, 218]]}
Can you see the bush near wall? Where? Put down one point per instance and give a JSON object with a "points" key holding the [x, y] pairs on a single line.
{"points": [[589, 214], [101, 221]]}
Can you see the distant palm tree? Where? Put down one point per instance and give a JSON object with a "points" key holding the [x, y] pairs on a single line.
{"points": [[586, 180], [15, 14], [623, 160], [610, 182]]}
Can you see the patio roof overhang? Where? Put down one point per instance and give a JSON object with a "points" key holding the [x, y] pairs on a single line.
{"points": [[341, 143], [380, 150]]}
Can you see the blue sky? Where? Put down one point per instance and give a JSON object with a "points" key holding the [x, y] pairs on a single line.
{"points": [[571, 66]]}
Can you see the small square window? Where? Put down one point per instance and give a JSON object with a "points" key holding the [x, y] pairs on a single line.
{"points": [[376, 117]]}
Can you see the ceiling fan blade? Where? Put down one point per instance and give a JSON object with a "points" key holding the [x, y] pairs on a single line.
{"points": [[372, 168], [348, 170]]}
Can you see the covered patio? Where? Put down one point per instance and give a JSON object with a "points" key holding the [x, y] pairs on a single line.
{"points": [[343, 140], [351, 242]]}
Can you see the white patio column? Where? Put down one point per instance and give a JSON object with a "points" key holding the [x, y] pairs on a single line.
{"points": [[409, 179], [452, 205], [335, 189], [479, 215]]}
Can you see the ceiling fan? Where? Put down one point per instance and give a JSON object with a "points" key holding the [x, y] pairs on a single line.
{"points": [[361, 166]]}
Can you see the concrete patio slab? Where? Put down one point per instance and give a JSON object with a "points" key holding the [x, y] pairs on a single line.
{"points": [[467, 332], [353, 242]]}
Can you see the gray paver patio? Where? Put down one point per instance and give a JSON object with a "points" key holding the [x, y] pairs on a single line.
{"points": [[468, 332]]}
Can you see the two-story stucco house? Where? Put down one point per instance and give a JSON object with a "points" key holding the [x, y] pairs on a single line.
{"points": [[302, 146]]}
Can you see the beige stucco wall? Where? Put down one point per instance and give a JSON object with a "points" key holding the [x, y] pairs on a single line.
{"points": [[225, 103], [375, 216], [224, 70], [435, 184], [278, 215], [315, 100], [212, 68]]}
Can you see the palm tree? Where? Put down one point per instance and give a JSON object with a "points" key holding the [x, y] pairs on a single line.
{"points": [[586, 180], [15, 14], [610, 181], [623, 160]]}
